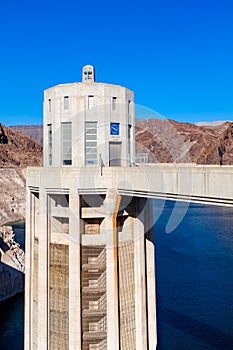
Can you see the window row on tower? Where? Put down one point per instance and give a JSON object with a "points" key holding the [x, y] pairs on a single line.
{"points": [[91, 157], [90, 103], [90, 143]]}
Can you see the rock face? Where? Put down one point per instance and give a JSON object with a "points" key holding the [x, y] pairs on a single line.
{"points": [[168, 141], [11, 264], [13, 194], [33, 131], [10, 250], [18, 150]]}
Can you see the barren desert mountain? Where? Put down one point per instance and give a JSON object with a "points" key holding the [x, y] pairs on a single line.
{"points": [[213, 123], [18, 150], [13, 194], [34, 131], [169, 141]]}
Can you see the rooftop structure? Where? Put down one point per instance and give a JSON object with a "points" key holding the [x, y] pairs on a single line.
{"points": [[87, 122], [88, 73]]}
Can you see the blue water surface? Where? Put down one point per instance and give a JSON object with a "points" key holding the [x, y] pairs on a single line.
{"points": [[12, 323], [12, 310], [195, 279]]}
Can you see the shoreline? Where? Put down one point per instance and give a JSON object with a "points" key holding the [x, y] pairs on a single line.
{"points": [[11, 263], [11, 223]]}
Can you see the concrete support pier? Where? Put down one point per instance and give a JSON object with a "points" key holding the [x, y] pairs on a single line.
{"points": [[92, 285]]}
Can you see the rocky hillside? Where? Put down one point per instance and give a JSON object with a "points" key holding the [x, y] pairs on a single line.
{"points": [[170, 141], [13, 194], [12, 264], [33, 131], [18, 150]]}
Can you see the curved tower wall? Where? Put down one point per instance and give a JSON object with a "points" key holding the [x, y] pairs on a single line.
{"points": [[87, 122]]}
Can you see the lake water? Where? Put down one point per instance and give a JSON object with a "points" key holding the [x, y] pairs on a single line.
{"points": [[194, 283], [195, 280], [12, 310]]}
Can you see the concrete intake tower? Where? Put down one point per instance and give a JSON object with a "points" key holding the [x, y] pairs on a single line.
{"points": [[90, 267]]}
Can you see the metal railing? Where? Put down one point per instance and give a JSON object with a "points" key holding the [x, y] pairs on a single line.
{"points": [[141, 158]]}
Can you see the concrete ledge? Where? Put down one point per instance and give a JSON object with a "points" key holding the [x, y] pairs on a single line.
{"points": [[208, 184]]}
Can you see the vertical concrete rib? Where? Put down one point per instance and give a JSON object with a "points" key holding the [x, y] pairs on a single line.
{"points": [[28, 274], [74, 272], [140, 286], [150, 275], [43, 274], [112, 203], [151, 294]]}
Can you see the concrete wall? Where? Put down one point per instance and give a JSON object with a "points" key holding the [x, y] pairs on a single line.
{"points": [[196, 183], [132, 263], [80, 112]]}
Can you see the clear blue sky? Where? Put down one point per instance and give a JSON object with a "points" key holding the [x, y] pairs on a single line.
{"points": [[176, 55]]}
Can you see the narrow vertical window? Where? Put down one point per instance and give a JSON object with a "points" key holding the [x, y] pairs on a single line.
{"points": [[114, 101], [129, 144], [129, 107], [50, 105], [90, 102], [66, 102], [50, 160], [91, 143], [66, 143]]}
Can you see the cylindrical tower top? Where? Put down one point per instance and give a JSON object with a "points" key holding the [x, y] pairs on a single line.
{"points": [[88, 124], [88, 73]]}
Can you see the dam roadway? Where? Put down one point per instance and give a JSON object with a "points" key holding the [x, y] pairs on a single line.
{"points": [[207, 184]]}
